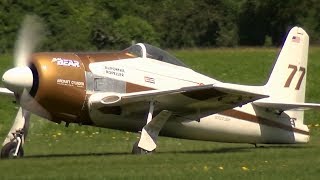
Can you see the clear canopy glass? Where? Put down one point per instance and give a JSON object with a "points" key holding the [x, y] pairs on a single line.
{"points": [[149, 51]]}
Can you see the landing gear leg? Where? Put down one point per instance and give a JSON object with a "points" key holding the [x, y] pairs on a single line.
{"points": [[255, 145], [138, 150], [149, 134], [12, 145]]}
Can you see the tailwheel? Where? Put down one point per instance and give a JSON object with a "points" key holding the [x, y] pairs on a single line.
{"points": [[9, 151], [138, 150]]}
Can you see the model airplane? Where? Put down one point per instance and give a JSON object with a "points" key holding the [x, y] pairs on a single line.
{"points": [[143, 88]]}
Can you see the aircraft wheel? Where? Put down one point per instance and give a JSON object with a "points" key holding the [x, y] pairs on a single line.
{"points": [[137, 150], [9, 149]]}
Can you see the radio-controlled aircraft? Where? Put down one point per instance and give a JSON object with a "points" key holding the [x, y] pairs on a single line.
{"points": [[143, 88]]}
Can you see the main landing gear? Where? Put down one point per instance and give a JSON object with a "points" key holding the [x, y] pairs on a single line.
{"points": [[12, 145], [13, 149], [149, 134]]}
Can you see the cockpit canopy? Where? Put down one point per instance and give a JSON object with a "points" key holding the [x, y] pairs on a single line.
{"points": [[148, 51]]}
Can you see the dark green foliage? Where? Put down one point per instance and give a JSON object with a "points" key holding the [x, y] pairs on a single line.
{"points": [[76, 25], [259, 19]]}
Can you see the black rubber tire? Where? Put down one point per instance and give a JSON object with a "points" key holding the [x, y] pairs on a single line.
{"points": [[8, 150], [139, 151]]}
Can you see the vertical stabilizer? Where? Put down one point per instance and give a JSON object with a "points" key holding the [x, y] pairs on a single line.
{"points": [[287, 82]]}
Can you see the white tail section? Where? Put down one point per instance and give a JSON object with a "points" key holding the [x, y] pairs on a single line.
{"points": [[287, 82]]}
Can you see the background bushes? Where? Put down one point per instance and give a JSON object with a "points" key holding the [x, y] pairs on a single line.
{"points": [[76, 25]]}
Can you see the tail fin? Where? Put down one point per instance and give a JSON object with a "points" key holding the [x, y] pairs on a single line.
{"points": [[287, 82]]}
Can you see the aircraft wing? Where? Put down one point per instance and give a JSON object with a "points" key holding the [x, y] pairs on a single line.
{"points": [[218, 96], [5, 91], [280, 106]]}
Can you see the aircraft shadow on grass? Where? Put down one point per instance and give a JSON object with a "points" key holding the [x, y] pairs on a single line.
{"points": [[235, 149], [77, 155], [212, 151]]}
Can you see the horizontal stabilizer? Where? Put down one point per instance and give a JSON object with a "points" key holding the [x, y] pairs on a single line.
{"points": [[280, 106]]}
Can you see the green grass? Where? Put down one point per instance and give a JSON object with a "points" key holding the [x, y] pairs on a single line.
{"points": [[79, 152]]}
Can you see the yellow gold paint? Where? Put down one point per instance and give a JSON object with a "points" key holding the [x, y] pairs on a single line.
{"points": [[65, 101], [88, 58], [62, 89], [130, 88]]}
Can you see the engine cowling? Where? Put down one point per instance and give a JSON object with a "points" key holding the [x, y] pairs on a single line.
{"points": [[59, 85]]}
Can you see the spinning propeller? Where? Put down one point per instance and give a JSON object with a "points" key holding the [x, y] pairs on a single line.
{"points": [[21, 79]]}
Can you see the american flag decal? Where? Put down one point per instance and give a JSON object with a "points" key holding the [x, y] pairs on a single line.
{"points": [[295, 39], [149, 80]]}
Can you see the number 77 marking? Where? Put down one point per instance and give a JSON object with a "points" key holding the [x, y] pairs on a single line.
{"points": [[292, 74]]}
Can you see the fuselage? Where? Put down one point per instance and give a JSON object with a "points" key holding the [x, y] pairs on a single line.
{"points": [[65, 82], [239, 125]]}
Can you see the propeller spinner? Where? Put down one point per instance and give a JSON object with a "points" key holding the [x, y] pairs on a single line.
{"points": [[17, 79]]}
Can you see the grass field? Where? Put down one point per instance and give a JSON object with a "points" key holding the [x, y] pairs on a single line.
{"points": [[79, 152]]}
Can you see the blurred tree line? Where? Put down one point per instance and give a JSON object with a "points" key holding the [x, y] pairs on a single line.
{"points": [[112, 24]]}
